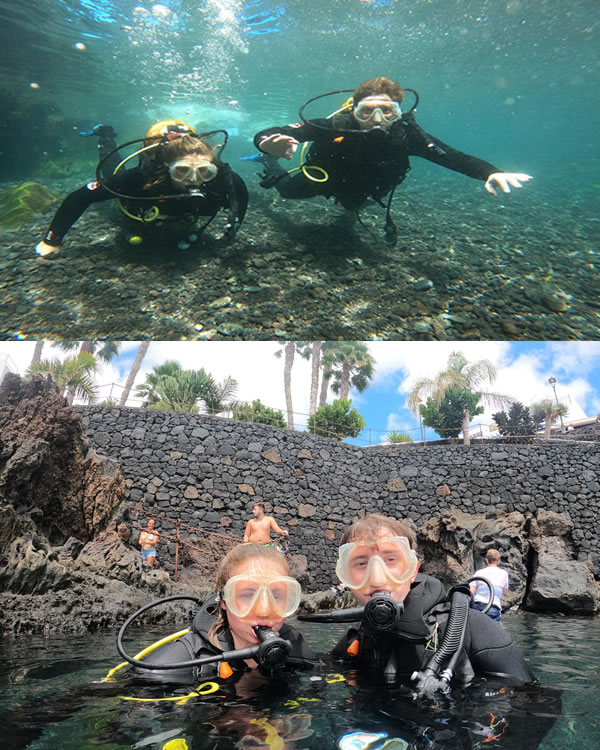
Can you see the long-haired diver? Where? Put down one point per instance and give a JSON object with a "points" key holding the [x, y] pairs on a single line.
{"points": [[179, 179]]}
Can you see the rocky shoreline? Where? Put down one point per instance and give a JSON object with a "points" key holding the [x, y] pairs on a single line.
{"points": [[67, 564]]}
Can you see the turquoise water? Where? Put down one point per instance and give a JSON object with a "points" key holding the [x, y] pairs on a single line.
{"points": [[512, 81], [49, 700]]}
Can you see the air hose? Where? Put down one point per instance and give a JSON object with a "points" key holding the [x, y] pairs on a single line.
{"points": [[427, 680]]}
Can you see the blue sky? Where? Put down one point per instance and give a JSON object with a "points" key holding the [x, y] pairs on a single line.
{"points": [[523, 372]]}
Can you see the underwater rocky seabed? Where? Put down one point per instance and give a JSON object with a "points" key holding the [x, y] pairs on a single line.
{"points": [[466, 266]]}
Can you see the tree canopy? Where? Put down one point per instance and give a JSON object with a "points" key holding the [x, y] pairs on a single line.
{"points": [[337, 420], [447, 417]]}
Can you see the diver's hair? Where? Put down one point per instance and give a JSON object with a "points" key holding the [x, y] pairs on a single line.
{"points": [[229, 563], [172, 150], [369, 526], [492, 556], [381, 85], [260, 505]]}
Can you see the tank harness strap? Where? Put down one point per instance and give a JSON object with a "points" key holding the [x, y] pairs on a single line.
{"points": [[233, 214]]}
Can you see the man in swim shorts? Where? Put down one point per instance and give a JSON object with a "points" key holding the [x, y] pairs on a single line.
{"points": [[258, 529]]}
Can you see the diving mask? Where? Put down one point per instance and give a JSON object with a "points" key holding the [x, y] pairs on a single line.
{"points": [[203, 171], [377, 111], [245, 593], [393, 555]]}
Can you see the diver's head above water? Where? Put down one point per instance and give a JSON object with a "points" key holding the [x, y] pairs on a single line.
{"points": [[376, 556], [376, 103], [255, 588]]}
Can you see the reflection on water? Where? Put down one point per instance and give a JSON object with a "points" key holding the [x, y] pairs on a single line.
{"points": [[51, 698]]}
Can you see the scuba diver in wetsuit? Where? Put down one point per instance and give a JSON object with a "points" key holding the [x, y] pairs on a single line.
{"points": [[179, 178], [362, 150], [238, 629], [409, 630]]}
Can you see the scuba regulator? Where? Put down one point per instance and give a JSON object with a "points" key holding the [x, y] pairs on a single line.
{"points": [[382, 616], [271, 652]]}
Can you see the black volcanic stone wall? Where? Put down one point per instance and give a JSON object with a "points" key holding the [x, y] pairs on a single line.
{"points": [[208, 472]]}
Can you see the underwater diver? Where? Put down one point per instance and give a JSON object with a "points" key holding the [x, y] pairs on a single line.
{"points": [[362, 151], [178, 179], [409, 631], [240, 628]]}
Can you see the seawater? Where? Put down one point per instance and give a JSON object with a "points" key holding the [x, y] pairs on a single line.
{"points": [[51, 698], [511, 81]]}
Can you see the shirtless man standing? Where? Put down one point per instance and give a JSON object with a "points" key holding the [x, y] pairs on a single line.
{"points": [[147, 541], [258, 529]]}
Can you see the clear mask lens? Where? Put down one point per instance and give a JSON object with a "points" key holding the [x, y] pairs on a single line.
{"points": [[389, 557], [277, 597], [181, 171], [377, 111]]}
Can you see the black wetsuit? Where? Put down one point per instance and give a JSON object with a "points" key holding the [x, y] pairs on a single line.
{"points": [[227, 191], [488, 649], [366, 164], [195, 645]]}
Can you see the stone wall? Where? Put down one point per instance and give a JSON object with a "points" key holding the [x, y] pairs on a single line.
{"points": [[208, 472]]}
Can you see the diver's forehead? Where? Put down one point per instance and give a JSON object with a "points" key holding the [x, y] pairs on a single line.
{"points": [[377, 98], [262, 568]]}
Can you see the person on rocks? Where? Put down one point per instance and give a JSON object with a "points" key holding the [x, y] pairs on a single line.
{"points": [[498, 579], [378, 563], [258, 529], [362, 151], [178, 179], [254, 593], [148, 540]]}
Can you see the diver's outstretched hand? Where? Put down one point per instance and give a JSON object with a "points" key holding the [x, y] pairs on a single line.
{"points": [[46, 250], [503, 180], [279, 145]]}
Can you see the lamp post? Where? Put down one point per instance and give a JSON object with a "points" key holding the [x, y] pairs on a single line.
{"points": [[552, 382]]}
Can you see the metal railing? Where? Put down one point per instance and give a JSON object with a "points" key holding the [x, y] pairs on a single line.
{"points": [[369, 436]]}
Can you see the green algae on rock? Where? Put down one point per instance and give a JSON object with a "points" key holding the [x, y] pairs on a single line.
{"points": [[20, 204]]}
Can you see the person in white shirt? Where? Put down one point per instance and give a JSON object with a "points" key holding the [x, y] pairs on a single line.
{"points": [[498, 578]]}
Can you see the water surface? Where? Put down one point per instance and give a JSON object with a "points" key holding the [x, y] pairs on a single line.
{"points": [[50, 700]]}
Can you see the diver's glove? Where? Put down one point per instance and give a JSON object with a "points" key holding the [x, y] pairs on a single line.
{"points": [[504, 180], [102, 131], [47, 251]]}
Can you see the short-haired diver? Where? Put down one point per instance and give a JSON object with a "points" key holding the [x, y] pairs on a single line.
{"points": [[409, 630], [179, 183], [362, 151]]}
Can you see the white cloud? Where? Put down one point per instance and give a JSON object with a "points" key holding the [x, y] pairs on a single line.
{"points": [[522, 373]]}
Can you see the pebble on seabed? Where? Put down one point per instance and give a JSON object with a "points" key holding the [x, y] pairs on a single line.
{"points": [[298, 270]]}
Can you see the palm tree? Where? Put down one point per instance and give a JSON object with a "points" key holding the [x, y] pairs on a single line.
{"points": [[101, 349], [548, 411], [37, 352], [311, 350], [351, 364], [327, 349], [289, 349], [182, 390], [139, 358], [73, 376], [98, 348], [221, 396], [149, 389], [459, 373]]}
